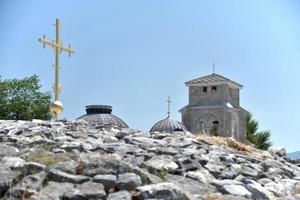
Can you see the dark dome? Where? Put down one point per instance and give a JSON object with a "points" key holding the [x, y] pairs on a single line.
{"points": [[101, 114], [168, 125]]}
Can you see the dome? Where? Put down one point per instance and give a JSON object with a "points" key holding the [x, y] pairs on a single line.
{"points": [[101, 114], [168, 125]]}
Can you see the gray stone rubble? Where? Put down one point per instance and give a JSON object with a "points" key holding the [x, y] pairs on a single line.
{"points": [[65, 160]]}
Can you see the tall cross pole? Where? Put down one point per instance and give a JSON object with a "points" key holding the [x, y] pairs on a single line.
{"points": [[214, 67], [169, 103], [56, 107]]}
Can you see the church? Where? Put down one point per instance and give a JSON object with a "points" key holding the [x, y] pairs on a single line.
{"points": [[214, 107]]}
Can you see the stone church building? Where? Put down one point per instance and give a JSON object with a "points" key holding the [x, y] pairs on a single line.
{"points": [[214, 102]]}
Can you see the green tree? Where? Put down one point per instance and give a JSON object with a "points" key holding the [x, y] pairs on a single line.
{"points": [[260, 139], [251, 128], [23, 100]]}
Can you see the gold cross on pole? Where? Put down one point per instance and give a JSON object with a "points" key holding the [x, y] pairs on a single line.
{"points": [[169, 103], [56, 107]]}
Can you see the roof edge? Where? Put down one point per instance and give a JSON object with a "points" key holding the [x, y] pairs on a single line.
{"points": [[203, 82]]}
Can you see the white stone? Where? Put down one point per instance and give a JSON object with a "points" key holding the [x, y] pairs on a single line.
{"points": [[237, 190], [12, 162], [162, 162]]}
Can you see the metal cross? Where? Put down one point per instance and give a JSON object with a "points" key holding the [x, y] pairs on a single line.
{"points": [[169, 102], [214, 67], [58, 48]]}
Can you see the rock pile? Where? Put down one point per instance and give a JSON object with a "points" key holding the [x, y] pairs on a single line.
{"points": [[66, 160]]}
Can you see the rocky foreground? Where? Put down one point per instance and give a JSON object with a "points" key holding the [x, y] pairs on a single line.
{"points": [[75, 160]]}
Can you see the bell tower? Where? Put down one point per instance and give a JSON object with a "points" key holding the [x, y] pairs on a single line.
{"points": [[214, 107]]}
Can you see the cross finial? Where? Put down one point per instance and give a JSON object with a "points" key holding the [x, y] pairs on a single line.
{"points": [[214, 67], [56, 107], [169, 103]]}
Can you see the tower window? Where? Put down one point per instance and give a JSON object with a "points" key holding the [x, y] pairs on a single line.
{"points": [[204, 89], [214, 89]]}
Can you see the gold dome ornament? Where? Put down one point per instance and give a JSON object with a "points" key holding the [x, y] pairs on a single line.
{"points": [[56, 108]]}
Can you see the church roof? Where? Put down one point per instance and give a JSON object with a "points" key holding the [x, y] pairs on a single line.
{"points": [[168, 125], [101, 114], [213, 79]]}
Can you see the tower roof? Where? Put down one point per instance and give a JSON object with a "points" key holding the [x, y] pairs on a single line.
{"points": [[101, 114], [168, 125], [213, 79]]}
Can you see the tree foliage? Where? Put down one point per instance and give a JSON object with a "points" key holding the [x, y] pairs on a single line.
{"points": [[214, 130], [23, 100], [260, 139]]}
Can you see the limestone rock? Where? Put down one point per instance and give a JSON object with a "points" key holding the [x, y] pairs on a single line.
{"points": [[53, 191], [201, 175], [7, 150], [257, 190], [190, 187], [88, 161], [66, 166], [60, 176], [128, 181], [281, 152], [12, 162], [181, 142], [166, 191], [33, 167], [121, 195], [109, 139], [107, 180], [193, 150], [28, 186], [6, 178], [187, 164], [238, 190], [145, 141], [86, 191], [120, 135], [161, 162]]}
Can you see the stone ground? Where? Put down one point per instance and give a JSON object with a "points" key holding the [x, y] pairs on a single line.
{"points": [[66, 160]]}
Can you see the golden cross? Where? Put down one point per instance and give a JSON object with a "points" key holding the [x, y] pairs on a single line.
{"points": [[169, 102], [56, 107]]}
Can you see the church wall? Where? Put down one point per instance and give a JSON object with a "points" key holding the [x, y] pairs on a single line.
{"points": [[243, 135], [192, 117], [186, 119], [228, 124], [240, 116], [200, 98], [234, 97]]}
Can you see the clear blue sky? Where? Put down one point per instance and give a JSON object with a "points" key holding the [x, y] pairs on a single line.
{"points": [[132, 54]]}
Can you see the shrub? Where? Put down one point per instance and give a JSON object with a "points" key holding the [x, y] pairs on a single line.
{"points": [[214, 130], [47, 158], [162, 173]]}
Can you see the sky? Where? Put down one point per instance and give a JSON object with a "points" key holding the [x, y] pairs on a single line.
{"points": [[133, 54]]}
